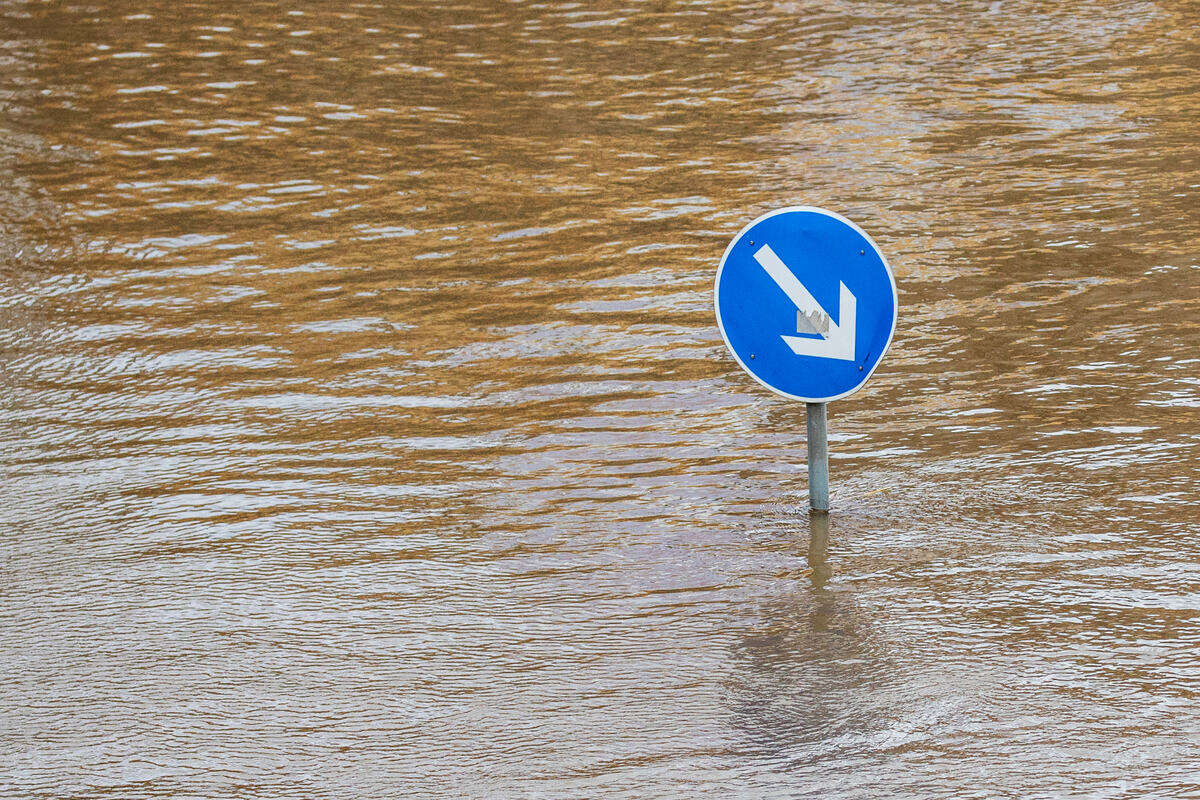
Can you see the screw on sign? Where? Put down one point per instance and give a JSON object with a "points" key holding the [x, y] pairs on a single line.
{"points": [[807, 305]]}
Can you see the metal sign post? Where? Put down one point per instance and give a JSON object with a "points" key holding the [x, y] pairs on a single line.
{"points": [[818, 458], [807, 304]]}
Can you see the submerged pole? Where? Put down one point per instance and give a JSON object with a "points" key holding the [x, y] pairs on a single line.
{"points": [[818, 458]]}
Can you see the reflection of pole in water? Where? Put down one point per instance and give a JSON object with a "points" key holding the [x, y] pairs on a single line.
{"points": [[818, 546], [812, 672]]}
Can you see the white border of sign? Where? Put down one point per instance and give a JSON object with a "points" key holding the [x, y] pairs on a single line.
{"points": [[886, 267]]}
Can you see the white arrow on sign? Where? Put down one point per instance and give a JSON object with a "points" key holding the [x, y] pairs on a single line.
{"points": [[837, 340]]}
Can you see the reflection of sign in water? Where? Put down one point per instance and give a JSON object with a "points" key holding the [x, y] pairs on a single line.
{"points": [[811, 671], [806, 303]]}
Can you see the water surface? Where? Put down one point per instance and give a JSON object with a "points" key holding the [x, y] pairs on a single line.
{"points": [[366, 430]]}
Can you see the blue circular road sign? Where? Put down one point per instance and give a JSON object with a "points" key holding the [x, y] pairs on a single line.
{"points": [[806, 303]]}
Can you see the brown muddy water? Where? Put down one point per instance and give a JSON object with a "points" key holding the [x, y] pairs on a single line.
{"points": [[367, 433]]}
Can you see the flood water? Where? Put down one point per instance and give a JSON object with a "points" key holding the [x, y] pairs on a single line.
{"points": [[366, 431]]}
